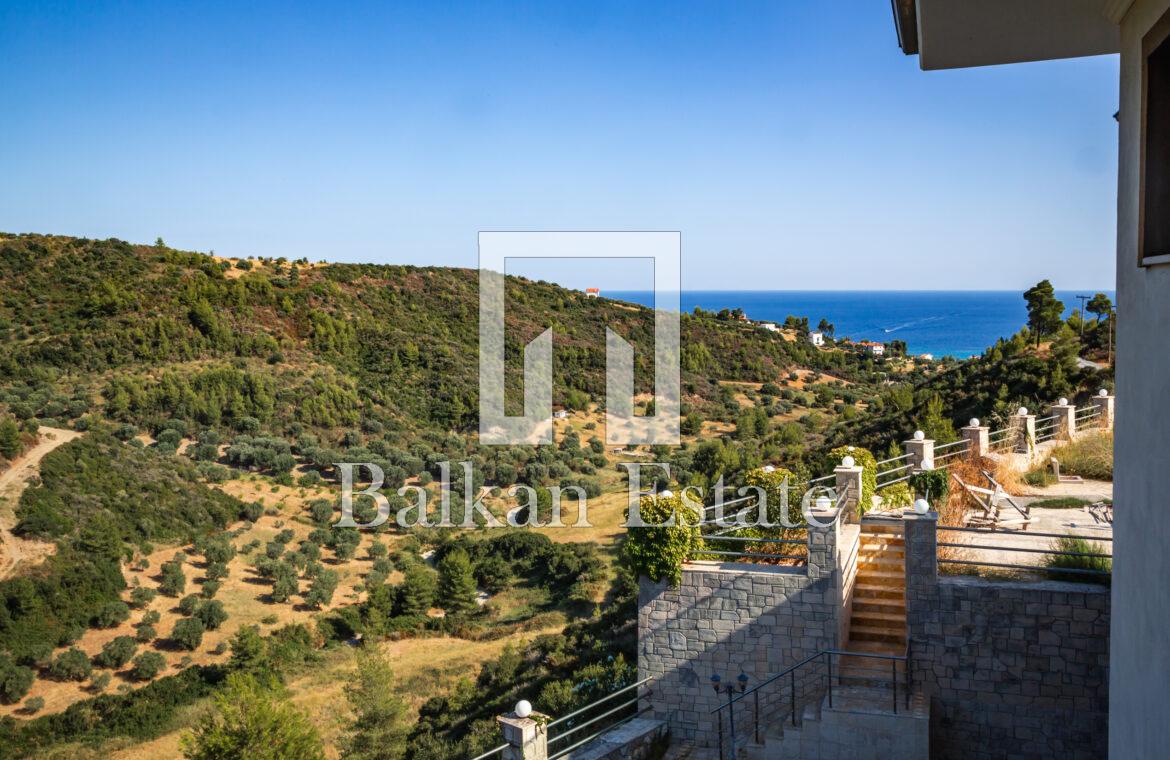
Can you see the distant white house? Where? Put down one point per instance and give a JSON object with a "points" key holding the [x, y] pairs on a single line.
{"points": [[560, 414], [877, 349], [769, 326], [926, 357], [816, 338], [593, 292]]}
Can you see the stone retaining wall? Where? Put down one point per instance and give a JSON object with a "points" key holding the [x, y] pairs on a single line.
{"points": [[725, 618], [1013, 669]]}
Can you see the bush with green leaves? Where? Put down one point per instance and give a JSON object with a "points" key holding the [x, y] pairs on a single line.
{"points": [[34, 705], [932, 485], [212, 614], [1079, 554], [862, 458], [142, 596], [100, 682], [147, 665], [322, 589], [71, 665], [173, 580], [209, 589], [188, 604], [116, 652], [252, 719], [15, 680], [188, 633], [897, 496], [669, 534]]}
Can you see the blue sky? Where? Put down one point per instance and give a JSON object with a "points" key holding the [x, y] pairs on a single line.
{"points": [[792, 143]]}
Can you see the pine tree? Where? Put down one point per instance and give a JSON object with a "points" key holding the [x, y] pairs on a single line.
{"points": [[253, 721], [378, 730], [9, 438], [456, 583]]}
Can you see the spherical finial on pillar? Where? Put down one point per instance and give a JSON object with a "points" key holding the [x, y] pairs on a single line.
{"points": [[1063, 401], [523, 708], [823, 503], [848, 462], [973, 422], [1102, 393], [919, 435], [1023, 412], [666, 494], [921, 506]]}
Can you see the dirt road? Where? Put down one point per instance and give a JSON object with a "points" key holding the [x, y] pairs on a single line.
{"points": [[17, 551]]}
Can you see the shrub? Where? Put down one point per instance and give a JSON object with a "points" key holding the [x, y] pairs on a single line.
{"points": [[211, 614], [15, 681], [145, 632], [117, 652], [173, 579], [1079, 546], [210, 589], [1090, 456], [188, 633], [142, 596], [72, 665], [251, 720], [147, 665], [188, 604], [932, 485], [865, 459], [100, 682], [659, 552], [897, 496], [34, 705]]}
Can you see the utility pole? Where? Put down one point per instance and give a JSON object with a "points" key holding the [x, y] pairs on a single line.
{"points": [[1083, 299]]}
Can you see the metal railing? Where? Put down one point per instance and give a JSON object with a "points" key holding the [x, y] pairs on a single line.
{"points": [[1028, 550], [952, 452], [612, 716], [1047, 428], [820, 685], [721, 543]]}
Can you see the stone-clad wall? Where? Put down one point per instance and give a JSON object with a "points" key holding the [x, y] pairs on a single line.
{"points": [[724, 618], [1013, 669]]}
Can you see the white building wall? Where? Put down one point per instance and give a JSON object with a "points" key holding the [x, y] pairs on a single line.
{"points": [[1139, 714]]}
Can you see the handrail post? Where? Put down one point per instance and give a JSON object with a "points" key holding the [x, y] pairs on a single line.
{"points": [[794, 697], [829, 668], [894, 681], [719, 720], [756, 696]]}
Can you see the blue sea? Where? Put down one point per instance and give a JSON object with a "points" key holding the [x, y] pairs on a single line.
{"points": [[959, 323]]}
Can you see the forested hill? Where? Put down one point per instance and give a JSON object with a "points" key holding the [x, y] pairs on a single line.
{"points": [[142, 333]]}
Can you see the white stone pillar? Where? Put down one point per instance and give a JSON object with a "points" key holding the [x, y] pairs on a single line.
{"points": [[527, 737], [849, 486], [921, 451], [977, 438], [1024, 432], [1104, 404], [1065, 424]]}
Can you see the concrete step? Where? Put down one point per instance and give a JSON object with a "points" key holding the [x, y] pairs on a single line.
{"points": [[884, 539], [868, 591], [872, 529], [877, 633], [881, 561], [871, 576], [877, 604], [871, 618], [881, 551], [875, 647]]}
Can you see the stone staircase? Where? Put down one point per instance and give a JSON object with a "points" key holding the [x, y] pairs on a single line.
{"points": [[860, 725], [878, 621]]}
